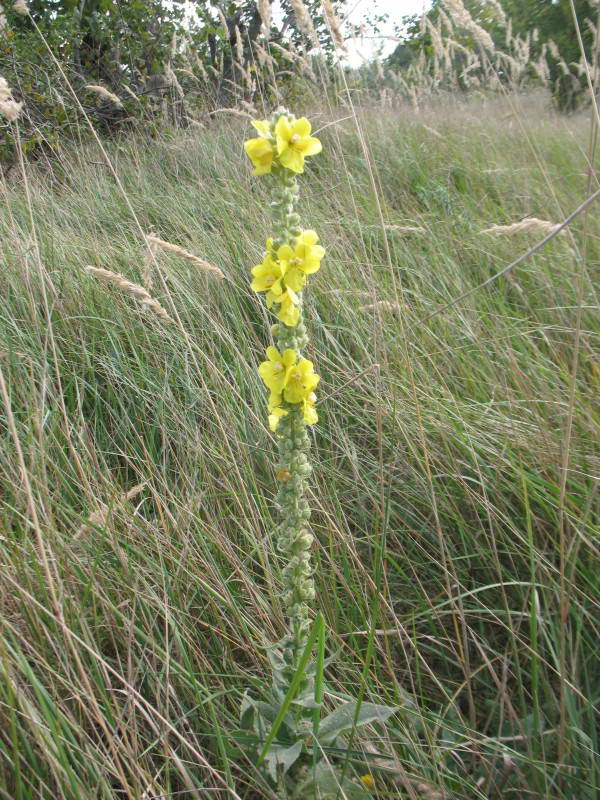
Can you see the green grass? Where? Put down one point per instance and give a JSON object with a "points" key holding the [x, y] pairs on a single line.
{"points": [[445, 549]]}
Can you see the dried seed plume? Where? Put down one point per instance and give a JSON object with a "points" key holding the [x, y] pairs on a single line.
{"points": [[105, 93], [131, 288], [529, 225], [9, 107], [160, 244]]}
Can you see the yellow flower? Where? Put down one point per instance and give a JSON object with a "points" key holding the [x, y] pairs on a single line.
{"points": [[368, 781], [274, 400], [294, 142], [300, 382], [308, 409], [260, 152], [263, 126], [275, 416], [289, 311], [267, 276], [301, 260], [274, 371]]}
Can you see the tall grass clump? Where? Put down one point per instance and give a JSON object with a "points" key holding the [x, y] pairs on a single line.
{"points": [[453, 497]]}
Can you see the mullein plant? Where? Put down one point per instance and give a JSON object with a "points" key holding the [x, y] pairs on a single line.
{"points": [[300, 752]]}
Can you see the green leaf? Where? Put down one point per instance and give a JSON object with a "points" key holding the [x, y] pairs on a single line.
{"points": [[280, 756], [325, 784], [294, 686], [247, 715], [342, 719]]}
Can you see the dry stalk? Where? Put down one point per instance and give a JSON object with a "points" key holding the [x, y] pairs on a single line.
{"points": [[383, 305], [264, 9], [404, 228], [130, 92], [223, 21], [149, 260], [9, 107], [399, 228], [239, 46], [237, 112], [433, 131], [99, 517]]}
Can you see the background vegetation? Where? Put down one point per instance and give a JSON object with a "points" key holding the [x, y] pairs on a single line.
{"points": [[455, 491]]}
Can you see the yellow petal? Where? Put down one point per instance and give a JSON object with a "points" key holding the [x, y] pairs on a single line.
{"points": [[311, 146], [295, 279], [301, 127], [275, 417], [289, 357], [285, 252], [292, 159], [289, 315], [309, 413], [283, 133], [308, 237], [262, 126], [273, 353], [274, 400], [368, 781]]}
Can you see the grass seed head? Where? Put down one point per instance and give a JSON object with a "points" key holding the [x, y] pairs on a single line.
{"points": [[101, 91], [9, 107], [134, 289]]}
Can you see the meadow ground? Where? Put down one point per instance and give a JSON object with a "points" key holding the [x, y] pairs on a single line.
{"points": [[456, 508]]}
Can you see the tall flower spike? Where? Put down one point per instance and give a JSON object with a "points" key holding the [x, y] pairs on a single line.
{"points": [[291, 256]]}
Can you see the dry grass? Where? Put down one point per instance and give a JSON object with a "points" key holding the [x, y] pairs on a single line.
{"points": [[456, 504]]}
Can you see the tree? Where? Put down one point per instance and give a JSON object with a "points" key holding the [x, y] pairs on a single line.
{"points": [[553, 22]]}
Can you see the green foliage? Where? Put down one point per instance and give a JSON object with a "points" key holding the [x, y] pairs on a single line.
{"points": [[541, 21], [166, 599], [300, 752], [130, 48]]}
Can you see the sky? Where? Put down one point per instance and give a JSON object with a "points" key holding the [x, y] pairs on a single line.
{"points": [[396, 9]]}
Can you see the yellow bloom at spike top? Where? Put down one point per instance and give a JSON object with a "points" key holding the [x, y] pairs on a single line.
{"points": [[260, 150], [288, 144], [291, 255], [294, 142]]}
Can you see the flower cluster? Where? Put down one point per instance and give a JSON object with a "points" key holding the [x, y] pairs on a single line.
{"points": [[291, 255], [290, 380], [282, 274], [286, 143]]}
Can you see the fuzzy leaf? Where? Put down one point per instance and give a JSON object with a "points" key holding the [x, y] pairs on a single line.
{"points": [[247, 711], [342, 719], [281, 756], [326, 785]]}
